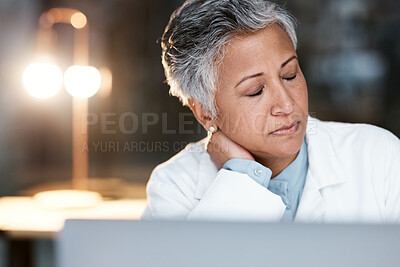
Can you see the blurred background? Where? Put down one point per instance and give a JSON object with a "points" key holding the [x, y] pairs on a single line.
{"points": [[349, 51]]}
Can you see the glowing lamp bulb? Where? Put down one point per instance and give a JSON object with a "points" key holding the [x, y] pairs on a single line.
{"points": [[42, 80], [82, 81], [78, 20]]}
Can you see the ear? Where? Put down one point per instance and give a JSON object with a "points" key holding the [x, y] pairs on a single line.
{"points": [[202, 116]]}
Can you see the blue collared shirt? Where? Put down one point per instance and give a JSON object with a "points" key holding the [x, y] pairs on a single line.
{"points": [[288, 184]]}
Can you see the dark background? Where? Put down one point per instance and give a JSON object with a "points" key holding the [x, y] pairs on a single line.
{"points": [[349, 51]]}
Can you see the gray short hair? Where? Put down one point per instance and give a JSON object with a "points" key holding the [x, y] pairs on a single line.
{"points": [[196, 35]]}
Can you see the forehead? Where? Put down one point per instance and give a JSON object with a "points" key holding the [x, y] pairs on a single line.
{"points": [[246, 53], [271, 36]]}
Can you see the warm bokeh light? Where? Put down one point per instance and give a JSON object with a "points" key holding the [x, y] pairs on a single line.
{"points": [[42, 80], [68, 199], [106, 82], [82, 81], [31, 215], [54, 15], [78, 20]]}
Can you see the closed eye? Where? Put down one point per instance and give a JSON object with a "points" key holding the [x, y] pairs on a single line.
{"points": [[291, 78], [258, 93]]}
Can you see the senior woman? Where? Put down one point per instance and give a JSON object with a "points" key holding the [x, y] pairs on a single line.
{"points": [[234, 63]]}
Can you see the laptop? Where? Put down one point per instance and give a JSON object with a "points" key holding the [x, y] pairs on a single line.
{"points": [[109, 243]]}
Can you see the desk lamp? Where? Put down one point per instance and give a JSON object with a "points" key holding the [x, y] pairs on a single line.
{"points": [[44, 79]]}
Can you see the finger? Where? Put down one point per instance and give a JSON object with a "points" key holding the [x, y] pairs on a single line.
{"points": [[214, 159]]}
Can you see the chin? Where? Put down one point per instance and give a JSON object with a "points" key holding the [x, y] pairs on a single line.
{"points": [[289, 149], [281, 147]]}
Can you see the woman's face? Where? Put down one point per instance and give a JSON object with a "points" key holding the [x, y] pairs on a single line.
{"points": [[262, 94]]}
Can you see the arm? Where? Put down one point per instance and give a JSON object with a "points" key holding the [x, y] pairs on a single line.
{"points": [[231, 196], [235, 196], [253, 169], [236, 193]]}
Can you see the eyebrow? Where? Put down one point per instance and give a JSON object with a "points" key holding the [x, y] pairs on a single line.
{"points": [[249, 77], [262, 73], [287, 61]]}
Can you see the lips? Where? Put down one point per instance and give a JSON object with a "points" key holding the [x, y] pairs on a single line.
{"points": [[287, 130]]}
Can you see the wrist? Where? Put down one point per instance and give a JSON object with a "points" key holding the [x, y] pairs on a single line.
{"points": [[255, 170]]}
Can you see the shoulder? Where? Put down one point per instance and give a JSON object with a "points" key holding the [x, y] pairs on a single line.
{"points": [[181, 170], [359, 146], [172, 184], [360, 135], [186, 160]]}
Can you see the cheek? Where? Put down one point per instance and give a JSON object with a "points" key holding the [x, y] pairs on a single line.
{"points": [[229, 120], [300, 96], [240, 124], [252, 119], [260, 123], [244, 123]]}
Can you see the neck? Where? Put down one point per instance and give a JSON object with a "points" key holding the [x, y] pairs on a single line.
{"points": [[276, 165]]}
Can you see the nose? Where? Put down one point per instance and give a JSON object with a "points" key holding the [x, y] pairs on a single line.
{"points": [[283, 103]]}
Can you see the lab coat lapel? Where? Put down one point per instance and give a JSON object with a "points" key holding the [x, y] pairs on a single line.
{"points": [[311, 205], [324, 170]]}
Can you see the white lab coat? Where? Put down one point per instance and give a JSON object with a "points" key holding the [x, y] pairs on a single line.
{"points": [[353, 176]]}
